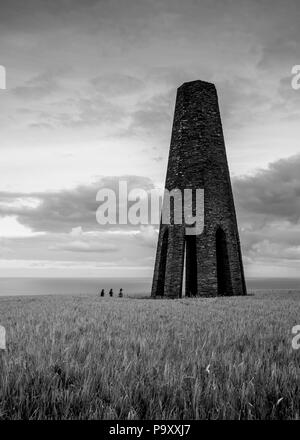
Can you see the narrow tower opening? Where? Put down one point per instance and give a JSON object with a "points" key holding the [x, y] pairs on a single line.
{"points": [[183, 288], [163, 264], [223, 268], [190, 265]]}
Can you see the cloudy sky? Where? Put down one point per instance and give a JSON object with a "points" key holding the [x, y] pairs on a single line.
{"points": [[90, 95]]}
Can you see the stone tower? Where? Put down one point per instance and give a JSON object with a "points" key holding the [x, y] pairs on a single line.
{"points": [[197, 159]]}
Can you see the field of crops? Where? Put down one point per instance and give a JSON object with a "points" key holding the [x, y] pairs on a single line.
{"points": [[85, 357]]}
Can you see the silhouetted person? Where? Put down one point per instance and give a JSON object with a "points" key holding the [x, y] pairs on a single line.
{"points": [[102, 293], [121, 293], [111, 293]]}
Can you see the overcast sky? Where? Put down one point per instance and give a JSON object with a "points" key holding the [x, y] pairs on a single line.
{"points": [[91, 87]]}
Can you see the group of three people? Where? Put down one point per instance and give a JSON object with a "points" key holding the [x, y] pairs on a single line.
{"points": [[111, 293]]}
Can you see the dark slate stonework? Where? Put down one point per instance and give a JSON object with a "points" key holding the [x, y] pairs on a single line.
{"points": [[198, 159]]}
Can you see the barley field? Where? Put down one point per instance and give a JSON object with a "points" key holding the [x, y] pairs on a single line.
{"points": [[85, 357]]}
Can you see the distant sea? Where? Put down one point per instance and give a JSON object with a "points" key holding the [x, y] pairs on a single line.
{"points": [[72, 286], [131, 286]]}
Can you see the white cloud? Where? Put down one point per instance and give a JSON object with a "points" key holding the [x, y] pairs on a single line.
{"points": [[109, 112], [10, 227], [148, 235], [84, 246]]}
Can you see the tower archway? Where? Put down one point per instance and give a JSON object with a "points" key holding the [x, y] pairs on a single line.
{"points": [[223, 267], [190, 265], [163, 263]]}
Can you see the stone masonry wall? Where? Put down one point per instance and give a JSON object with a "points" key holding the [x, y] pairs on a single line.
{"points": [[197, 159]]}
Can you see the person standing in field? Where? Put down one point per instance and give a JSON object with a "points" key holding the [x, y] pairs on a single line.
{"points": [[121, 293], [102, 293], [111, 293]]}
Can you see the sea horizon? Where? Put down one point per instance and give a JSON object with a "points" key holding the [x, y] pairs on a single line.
{"points": [[26, 286]]}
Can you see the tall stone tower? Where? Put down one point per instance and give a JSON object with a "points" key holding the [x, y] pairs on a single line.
{"points": [[197, 159]]}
